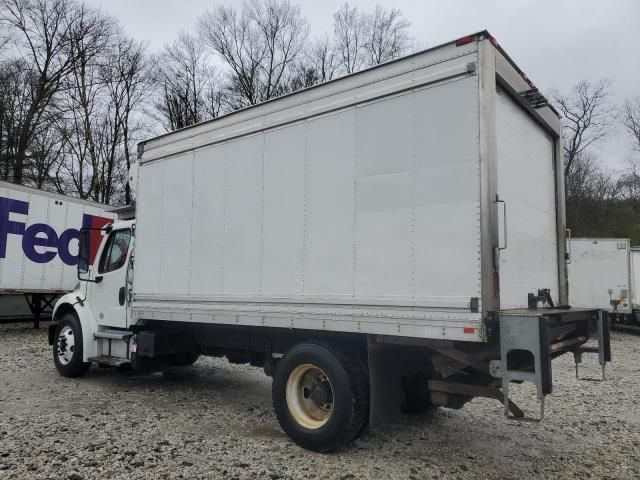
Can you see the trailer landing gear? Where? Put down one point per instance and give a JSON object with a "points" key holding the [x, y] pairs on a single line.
{"points": [[39, 304]]}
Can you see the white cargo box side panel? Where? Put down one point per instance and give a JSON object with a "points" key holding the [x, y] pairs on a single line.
{"points": [[356, 205], [329, 206], [599, 266], [527, 185]]}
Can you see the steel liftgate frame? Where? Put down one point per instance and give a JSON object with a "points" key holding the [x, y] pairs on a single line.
{"points": [[529, 333]]}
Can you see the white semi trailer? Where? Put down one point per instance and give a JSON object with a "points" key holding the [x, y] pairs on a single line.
{"points": [[39, 234], [391, 240], [600, 276], [633, 318]]}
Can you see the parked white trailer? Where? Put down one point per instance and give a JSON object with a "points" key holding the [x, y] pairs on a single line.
{"points": [[600, 275], [635, 278], [393, 239], [633, 318], [39, 234]]}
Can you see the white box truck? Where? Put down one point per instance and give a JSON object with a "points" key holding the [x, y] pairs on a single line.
{"points": [[391, 240], [39, 234], [600, 276]]}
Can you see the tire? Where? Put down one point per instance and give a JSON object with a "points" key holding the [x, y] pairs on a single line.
{"points": [[320, 396], [67, 348]]}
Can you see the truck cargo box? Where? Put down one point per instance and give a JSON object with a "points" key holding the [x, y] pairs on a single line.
{"points": [[388, 241], [410, 199]]}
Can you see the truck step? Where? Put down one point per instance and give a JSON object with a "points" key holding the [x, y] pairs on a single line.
{"points": [[113, 334], [110, 361]]}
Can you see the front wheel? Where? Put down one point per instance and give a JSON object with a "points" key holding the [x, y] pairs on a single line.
{"points": [[320, 397], [67, 348]]}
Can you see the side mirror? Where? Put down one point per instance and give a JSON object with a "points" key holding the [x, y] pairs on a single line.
{"points": [[83, 254]]}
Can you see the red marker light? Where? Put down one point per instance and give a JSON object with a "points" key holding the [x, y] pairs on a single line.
{"points": [[465, 40]]}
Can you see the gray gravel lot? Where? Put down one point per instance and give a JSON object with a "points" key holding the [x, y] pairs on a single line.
{"points": [[214, 420]]}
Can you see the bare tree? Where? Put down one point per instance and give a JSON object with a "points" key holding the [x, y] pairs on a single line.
{"points": [[89, 121], [631, 121], [324, 59], [127, 79], [319, 64], [387, 35], [42, 34], [259, 44], [187, 84], [594, 197], [589, 117], [101, 97], [45, 153], [349, 28], [15, 100]]}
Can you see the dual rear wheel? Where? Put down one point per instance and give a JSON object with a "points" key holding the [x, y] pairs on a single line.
{"points": [[320, 396]]}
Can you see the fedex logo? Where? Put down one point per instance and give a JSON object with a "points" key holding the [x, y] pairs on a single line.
{"points": [[40, 242]]}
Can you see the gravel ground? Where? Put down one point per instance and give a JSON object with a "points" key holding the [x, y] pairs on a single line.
{"points": [[214, 420]]}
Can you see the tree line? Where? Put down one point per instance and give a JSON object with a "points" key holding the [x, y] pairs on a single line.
{"points": [[600, 201], [77, 93]]}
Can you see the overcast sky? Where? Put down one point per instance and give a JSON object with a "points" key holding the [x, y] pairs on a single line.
{"points": [[556, 42]]}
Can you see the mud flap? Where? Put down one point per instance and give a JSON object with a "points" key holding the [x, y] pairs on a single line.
{"points": [[385, 384]]}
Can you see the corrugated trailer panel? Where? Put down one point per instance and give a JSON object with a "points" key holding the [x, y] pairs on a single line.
{"points": [[600, 272], [40, 230], [357, 204]]}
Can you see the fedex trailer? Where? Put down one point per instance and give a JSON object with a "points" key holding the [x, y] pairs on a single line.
{"points": [[389, 241], [39, 234]]}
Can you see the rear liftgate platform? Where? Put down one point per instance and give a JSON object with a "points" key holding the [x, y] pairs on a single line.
{"points": [[531, 339]]}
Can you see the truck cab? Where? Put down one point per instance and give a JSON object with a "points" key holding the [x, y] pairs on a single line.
{"points": [[96, 312]]}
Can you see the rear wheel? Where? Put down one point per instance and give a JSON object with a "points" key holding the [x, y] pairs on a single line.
{"points": [[67, 349], [320, 397]]}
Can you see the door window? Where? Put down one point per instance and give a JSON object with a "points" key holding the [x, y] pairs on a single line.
{"points": [[114, 255]]}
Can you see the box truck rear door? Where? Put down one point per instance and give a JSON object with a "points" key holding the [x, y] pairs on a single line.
{"points": [[526, 184]]}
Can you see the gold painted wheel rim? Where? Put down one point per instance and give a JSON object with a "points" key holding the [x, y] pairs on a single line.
{"points": [[309, 396]]}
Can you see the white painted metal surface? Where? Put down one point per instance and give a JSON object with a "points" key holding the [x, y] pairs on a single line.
{"points": [[39, 238], [527, 185], [635, 278], [600, 272], [353, 206]]}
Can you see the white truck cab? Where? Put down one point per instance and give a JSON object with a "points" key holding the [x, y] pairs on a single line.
{"points": [[99, 304]]}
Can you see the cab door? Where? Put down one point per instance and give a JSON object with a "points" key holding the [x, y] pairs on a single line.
{"points": [[108, 299]]}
